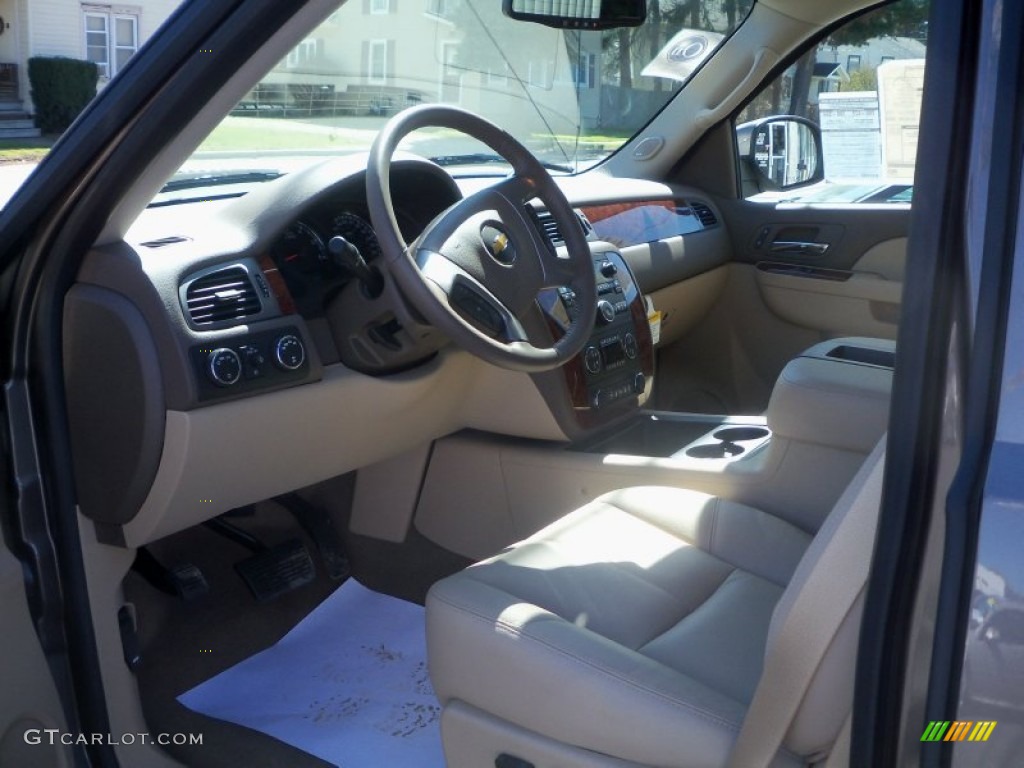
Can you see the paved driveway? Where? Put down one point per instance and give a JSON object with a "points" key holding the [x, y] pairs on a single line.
{"points": [[12, 175]]}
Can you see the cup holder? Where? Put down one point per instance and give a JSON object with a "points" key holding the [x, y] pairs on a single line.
{"points": [[726, 443], [737, 434], [720, 450]]}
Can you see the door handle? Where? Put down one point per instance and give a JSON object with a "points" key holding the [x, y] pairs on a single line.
{"points": [[796, 246]]}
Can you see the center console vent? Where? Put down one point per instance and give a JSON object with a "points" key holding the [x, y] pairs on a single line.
{"points": [[220, 297], [551, 230], [704, 213]]}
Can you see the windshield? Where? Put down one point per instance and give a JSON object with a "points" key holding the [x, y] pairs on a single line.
{"points": [[571, 97]]}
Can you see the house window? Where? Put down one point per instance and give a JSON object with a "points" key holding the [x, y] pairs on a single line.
{"points": [[302, 53], [888, 58], [380, 6], [110, 40], [441, 8], [584, 71], [449, 54], [852, 62], [497, 75], [377, 61], [538, 74]]}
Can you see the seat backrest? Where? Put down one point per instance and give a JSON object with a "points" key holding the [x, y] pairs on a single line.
{"points": [[806, 690]]}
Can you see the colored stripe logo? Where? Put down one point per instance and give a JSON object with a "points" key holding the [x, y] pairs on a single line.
{"points": [[958, 730]]}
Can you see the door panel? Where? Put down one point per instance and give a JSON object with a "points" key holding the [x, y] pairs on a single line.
{"points": [[779, 302], [28, 698], [837, 271]]}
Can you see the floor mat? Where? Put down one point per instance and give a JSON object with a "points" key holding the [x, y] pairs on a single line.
{"points": [[348, 684]]}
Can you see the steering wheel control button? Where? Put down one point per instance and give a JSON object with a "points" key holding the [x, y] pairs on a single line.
{"points": [[289, 353], [477, 308], [592, 360], [629, 346], [605, 312], [224, 367]]}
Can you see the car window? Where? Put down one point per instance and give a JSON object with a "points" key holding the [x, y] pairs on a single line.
{"points": [[53, 62], [861, 88], [571, 97]]}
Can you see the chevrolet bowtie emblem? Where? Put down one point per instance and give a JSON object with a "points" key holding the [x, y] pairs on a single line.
{"points": [[499, 243]]}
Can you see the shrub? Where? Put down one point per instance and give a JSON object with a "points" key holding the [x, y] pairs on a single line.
{"points": [[61, 88]]}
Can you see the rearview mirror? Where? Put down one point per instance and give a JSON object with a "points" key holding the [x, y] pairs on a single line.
{"points": [[782, 152], [578, 14]]}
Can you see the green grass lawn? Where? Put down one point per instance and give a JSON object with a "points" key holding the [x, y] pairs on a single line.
{"points": [[246, 133], [24, 150]]}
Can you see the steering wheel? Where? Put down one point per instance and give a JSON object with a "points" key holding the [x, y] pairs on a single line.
{"points": [[479, 266]]}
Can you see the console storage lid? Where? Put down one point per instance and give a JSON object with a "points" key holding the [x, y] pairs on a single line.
{"points": [[836, 394]]}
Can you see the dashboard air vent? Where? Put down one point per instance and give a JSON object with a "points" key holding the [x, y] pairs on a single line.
{"points": [[704, 213], [221, 296], [551, 229]]}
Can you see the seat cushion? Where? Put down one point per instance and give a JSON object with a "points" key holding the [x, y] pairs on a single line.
{"points": [[634, 626]]}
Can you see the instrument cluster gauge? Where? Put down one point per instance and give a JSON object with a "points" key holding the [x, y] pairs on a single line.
{"points": [[300, 250], [359, 232], [301, 255]]}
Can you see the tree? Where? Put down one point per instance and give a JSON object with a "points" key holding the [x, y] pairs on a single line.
{"points": [[862, 80], [907, 18]]}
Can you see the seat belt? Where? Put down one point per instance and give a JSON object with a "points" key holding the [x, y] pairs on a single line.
{"points": [[831, 585]]}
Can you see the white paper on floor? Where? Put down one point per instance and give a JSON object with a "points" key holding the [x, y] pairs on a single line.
{"points": [[348, 684]]}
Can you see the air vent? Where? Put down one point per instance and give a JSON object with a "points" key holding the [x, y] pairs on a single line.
{"points": [[551, 229], [705, 214], [164, 241], [221, 296]]}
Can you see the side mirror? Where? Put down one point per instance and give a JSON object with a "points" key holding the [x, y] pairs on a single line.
{"points": [[781, 152], [581, 14]]}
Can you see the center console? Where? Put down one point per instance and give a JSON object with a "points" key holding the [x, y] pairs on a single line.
{"points": [[614, 372], [835, 394]]}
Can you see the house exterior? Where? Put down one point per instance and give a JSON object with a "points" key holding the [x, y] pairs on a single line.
{"points": [[107, 34], [350, 66], [872, 53]]}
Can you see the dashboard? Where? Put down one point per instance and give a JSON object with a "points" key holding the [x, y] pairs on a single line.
{"points": [[241, 356]]}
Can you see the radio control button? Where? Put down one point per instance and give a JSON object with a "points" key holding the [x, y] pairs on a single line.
{"points": [[629, 344], [592, 359], [605, 312]]}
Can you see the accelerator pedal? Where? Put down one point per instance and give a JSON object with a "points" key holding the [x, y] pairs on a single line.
{"points": [[318, 524], [276, 570]]}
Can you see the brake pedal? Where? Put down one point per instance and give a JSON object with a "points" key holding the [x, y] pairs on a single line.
{"points": [[277, 570]]}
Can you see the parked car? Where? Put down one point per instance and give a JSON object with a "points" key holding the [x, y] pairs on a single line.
{"points": [[583, 362]]}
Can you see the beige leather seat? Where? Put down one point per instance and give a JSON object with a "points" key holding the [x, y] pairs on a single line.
{"points": [[631, 632]]}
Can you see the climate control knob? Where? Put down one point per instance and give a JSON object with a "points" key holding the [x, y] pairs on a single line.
{"points": [[289, 353], [592, 359], [224, 367], [605, 312], [639, 383]]}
